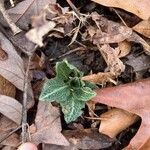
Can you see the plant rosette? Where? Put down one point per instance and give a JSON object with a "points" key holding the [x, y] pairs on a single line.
{"points": [[68, 90]]}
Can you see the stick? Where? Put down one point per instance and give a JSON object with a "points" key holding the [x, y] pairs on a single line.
{"points": [[25, 134], [11, 24]]}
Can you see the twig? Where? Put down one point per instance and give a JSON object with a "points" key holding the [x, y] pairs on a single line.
{"points": [[119, 16], [25, 134], [74, 8], [9, 134], [95, 118], [11, 24]]}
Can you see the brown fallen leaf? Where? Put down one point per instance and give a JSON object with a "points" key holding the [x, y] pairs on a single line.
{"points": [[114, 64], [124, 48], [12, 68], [139, 63], [143, 28], [7, 88], [99, 78], [134, 98], [137, 7], [116, 121], [47, 128], [88, 139], [21, 14], [11, 108], [109, 31]]}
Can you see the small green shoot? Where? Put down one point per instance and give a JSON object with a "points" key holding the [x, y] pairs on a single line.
{"points": [[68, 90]]}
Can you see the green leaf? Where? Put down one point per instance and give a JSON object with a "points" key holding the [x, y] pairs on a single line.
{"points": [[55, 90], [72, 109], [76, 82], [90, 85], [64, 70], [83, 94]]}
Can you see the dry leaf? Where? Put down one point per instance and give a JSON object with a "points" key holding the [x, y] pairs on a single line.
{"points": [[136, 38], [47, 126], [12, 140], [134, 98], [87, 139], [12, 68], [37, 62], [7, 88], [114, 64], [22, 13], [36, 34], [137, 7], [109, 31], [11, 108], [139, 63], [124, 48], [143, 28], [112, 32], [99, 78], [116, 121]]}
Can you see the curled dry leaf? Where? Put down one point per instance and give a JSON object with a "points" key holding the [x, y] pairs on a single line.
{"points": [[137, 7], [12, 68], [143, 28], [99, 78], [134, 98], [47, 128], [21, 14], [116, 121], [124, 48], [14, 107]]}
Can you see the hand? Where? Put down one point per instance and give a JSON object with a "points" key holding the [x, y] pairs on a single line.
{"points": [[27, 146]]}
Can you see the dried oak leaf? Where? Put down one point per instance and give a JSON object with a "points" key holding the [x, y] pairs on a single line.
{"points": [[143, 28], [12, 68], [116, 121], [137, 7], [47, 128], [21, 14], [134, 98]]}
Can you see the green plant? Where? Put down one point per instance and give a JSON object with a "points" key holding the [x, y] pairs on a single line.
{"points": [[68, 90]]}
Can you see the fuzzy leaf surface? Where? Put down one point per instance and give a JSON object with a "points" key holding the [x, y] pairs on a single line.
{"points": [[55, 90], [72, 109]]}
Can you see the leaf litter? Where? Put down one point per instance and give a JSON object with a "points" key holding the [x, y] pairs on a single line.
{"points": [[108, 50]]}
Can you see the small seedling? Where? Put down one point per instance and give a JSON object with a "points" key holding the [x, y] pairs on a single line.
{"points": [[68, 90]]}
